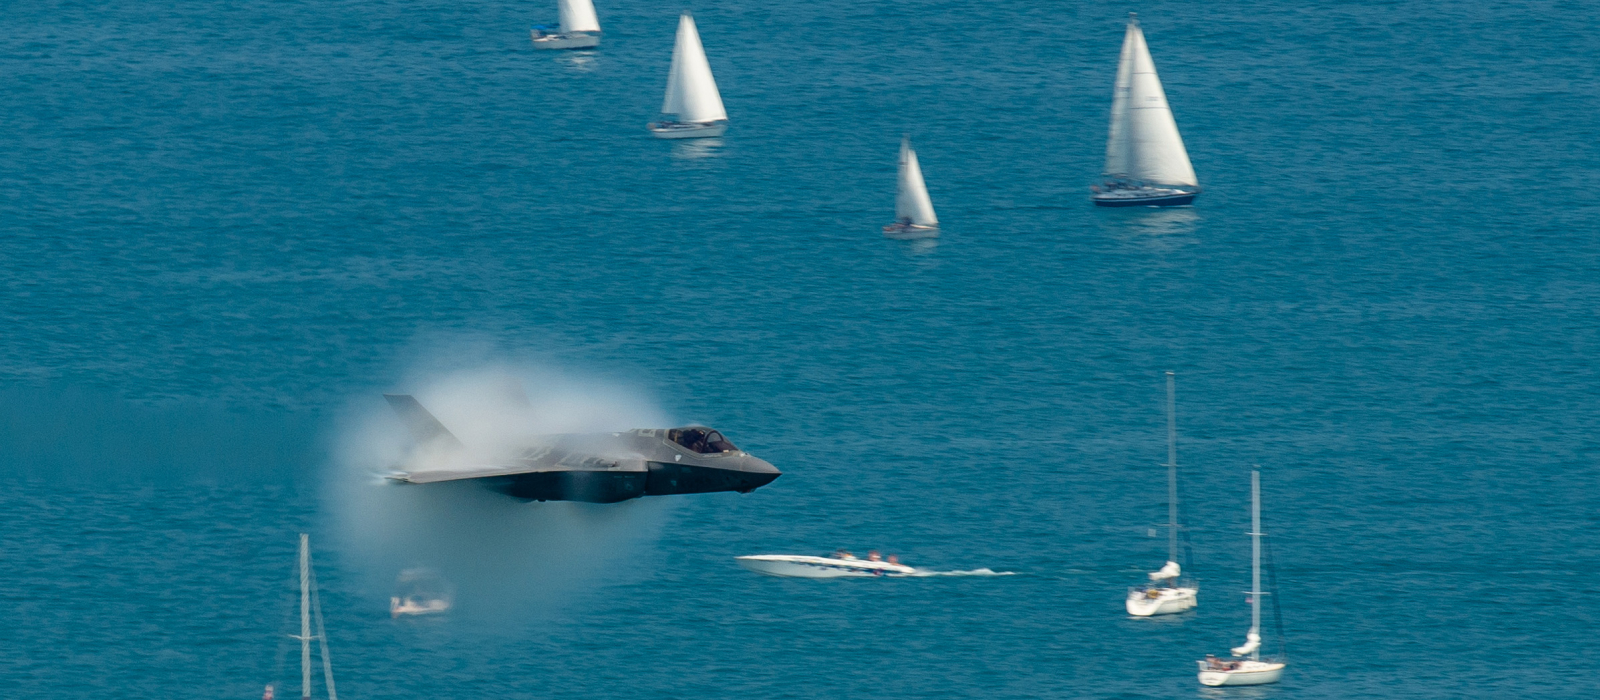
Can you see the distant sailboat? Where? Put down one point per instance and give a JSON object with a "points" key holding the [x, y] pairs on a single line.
{"points": [[1247, 668], [913, 210], [692, 107], [580, 27], [310, 612], [1146, 163], [1166, 593]]}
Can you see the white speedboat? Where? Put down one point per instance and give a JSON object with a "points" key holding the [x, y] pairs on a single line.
{"points": [[421, 591], [416, 606], [913, 210], [1247, 667], [1146, 163], [840, 565], [1166, 593], [692, 107], [580, 27]]}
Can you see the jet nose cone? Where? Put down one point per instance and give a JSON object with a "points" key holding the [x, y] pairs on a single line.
{"points": [[757, 473]]}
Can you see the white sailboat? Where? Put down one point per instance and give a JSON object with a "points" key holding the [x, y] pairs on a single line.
{"points": [[1146, 163], [1166, 593], [310, 612], [1247, 667], [693, 106], [913, 210], [580, 27]]}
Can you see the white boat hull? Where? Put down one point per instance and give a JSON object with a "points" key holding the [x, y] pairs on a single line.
{"points": [[575, 40], [1248, 673], [693, 130], [1144, 197], [903, 230], [411, 606], [1167, 602], [789, 566]]}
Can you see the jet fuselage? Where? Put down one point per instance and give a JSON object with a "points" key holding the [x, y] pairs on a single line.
{"points": [[661, 467], [590, 468]]}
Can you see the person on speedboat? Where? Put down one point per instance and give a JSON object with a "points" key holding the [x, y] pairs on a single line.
{"points": [[874, 556]]}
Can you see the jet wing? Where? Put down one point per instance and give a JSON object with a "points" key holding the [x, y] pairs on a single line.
{"points": [[539, 459], [476, 471]]}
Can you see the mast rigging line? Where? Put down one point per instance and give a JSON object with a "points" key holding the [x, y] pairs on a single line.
{"points": [[322, 636], [1272, 587]]}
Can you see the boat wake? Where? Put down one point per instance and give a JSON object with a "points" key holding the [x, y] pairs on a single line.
{"points": [[923, 573], [845, 565]]}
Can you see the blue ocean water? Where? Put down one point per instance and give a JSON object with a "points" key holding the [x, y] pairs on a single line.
{"points": [[226, 227]]}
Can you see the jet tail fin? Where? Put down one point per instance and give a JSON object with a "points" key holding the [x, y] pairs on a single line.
{"points": [[426, 429]]}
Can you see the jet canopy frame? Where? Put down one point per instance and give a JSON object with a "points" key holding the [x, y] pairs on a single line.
{"points": [[700, 439]]}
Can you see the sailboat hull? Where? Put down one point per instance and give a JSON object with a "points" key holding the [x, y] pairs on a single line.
{"points": [[1249, 673], [690, 130], [1168, 601], [575, 40], [903, 230], [1115, 199]]}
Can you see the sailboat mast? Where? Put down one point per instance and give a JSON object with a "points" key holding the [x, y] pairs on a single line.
{"points": [[1172, 469], [305, 616], [1255, 559]]}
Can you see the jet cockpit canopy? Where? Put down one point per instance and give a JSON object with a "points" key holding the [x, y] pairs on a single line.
{"points": [[701, 439]]}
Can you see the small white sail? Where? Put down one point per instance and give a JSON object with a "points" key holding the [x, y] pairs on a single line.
{"points": [[1144, 143], [578, 16], [1171, 570], [691, 90], [911, 202], [1252, 642]]}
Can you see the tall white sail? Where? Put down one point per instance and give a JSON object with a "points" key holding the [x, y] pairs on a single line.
{"points": [[1117, 140], [911, 202], [578, 16], [1143, 143], [691, 90]]}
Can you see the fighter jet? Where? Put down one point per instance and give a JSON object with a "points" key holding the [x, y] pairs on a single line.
{"points": [[591, 468]]}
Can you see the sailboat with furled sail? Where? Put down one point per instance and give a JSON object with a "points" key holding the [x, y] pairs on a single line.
{"points": [[913, 210], [1146, 163], [580, 27], [310, 617], [693, 106], [1247, 667], [1167, 593]]}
